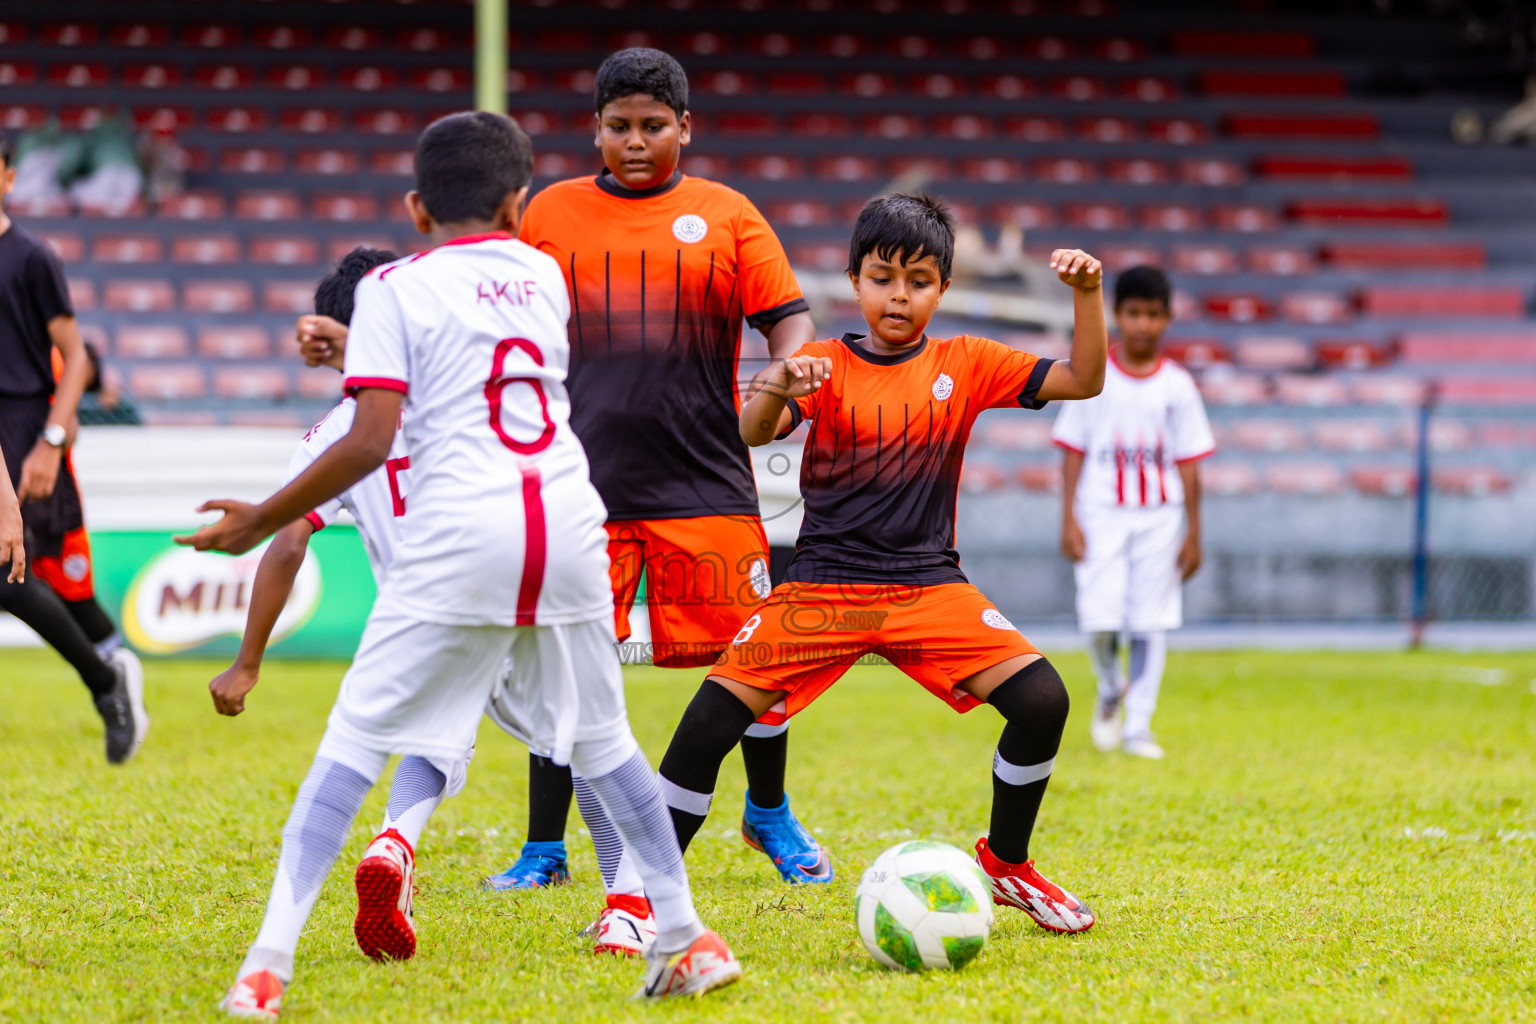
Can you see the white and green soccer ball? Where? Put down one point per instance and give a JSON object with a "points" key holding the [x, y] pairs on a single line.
{"points": [[923, 906]]}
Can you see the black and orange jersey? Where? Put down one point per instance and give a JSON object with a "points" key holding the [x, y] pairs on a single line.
{"points": [[881, 469], [660, 281]]}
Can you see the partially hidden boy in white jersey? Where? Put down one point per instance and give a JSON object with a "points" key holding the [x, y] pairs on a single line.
{"points": [[502, 552], [1130, 518]]}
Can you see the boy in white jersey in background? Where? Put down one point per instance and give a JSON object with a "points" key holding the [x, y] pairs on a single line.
{"points": [[1130, 517], [502, 552]]}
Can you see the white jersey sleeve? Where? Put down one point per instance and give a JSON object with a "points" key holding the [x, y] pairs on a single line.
{"points": [[1189, 428], [1070, 431], [321, 436], [377, 353]]}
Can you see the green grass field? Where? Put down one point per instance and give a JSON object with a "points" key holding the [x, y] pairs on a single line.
{"points": [[1333, 837]]}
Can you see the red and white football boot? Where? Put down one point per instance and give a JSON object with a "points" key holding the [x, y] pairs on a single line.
{"points": [[386, 884], [626, 927], [258, 995], [1021, 886], [705, 965]]}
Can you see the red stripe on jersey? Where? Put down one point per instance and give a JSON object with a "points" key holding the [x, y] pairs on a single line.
{"points": [[1119, 472], [394, 467], [1162, 479], [353, 385], [314, 520], [1071, 448], [1195, 458], [1141, 472], [535, 543]]}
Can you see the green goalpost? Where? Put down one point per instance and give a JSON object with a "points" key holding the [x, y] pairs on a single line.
{"points": [[491, 55]]}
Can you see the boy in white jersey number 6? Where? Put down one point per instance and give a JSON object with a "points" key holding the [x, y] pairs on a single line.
{"points": [[1130, 517], [502, 551]]}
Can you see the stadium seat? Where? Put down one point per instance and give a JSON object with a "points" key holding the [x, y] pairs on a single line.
{"points": [[1196, 353], [1273, 352], [268, 205], [799, 213], [1469, 301], [1348, 435], [1041, 478], [772, 44], [234, 341], [1354, 353], [1381, 389], [1393, 481], [136, 35], [159, 341], [926, 168], [1220, 476], [1007, 87], [1049, 48], [1315, 307], [392, 162], [82, 294], [66, 245], [1106, 129], [721, 83], [1117, 258], [1137, 171], [223, 77], [1230, 43], [1503, 347], [1283, 260], [426, 40], [1238, 308], [18, 73], [745, 124], [205, 249], [579, 82], [126, 249], [372, 78], [963, 126], [1148, 89], [1289, 166], [139, 296], [339, 247], [820, 124], [446, 80], [1470, 481], [1016, 434], [319, 382], [1446, 435], [978, 48], [1234, 389], [1173, 217], [193, 206], [773, 167], [284, 250], [77, 117], [344, 206], [252, 381], [1507, 434], [1065, 170], [167, 382], [992, 169], [1488, 390], [1301, 126], [210, 37], [1376, 213], [1210, 171], [1177, 131], [21, 117], [1307, 389], [1027, 215], [237, 119], [705, 165], [1244, 217], [281, 37], [78, 75], [1311, 479], [1309, 84], [796, 83], [149, 76], [326, 161], [1097, 216], [1204, 259], [1118, 49], [1078, 88], [218, 297], [353, 38], [977, 476], [1034, 129], [936, 86], [891, 126], [1405, 255], [295, 77], [825, 257], [1264, 435], [292, 297], [313, 120]]}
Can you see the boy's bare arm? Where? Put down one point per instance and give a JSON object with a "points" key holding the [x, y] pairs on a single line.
{"points": [[786, 336], [1190, 555], [269, 594], [1073, 544], [13, 548], [360, 452], [765, 413], [1080, 375]]}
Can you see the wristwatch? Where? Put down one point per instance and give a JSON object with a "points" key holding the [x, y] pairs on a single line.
{"points": [[54, 435]]}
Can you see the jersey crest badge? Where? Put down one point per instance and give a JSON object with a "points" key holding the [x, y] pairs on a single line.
{"points": [[762, 586], [996, 619], [690, 228], [943, 387]]}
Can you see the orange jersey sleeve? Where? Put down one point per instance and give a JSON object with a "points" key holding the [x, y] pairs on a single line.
{"points": [[769, 291], [1005, 377], [806, 406]]}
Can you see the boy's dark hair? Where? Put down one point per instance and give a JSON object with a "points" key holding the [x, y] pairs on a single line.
{"points": [[911, 226], [1143, 282], [93, 383], [642, 71], [333, 295], [467, 164]]}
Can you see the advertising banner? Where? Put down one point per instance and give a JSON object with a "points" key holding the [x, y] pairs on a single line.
{"points": [[172, 600]]}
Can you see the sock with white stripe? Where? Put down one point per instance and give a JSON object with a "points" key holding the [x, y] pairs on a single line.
{"points": [[1034, 702], [328, 801], [714, 722], [631, 799], [616, 864], [415, 793], [764, 751], [1149, 656]]}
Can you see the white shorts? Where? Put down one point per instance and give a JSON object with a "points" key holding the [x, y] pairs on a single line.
{"points": [[420, 688], [1129, 577]]}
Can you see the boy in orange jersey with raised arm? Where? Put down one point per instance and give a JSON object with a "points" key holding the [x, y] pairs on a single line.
{"points": [[891, 413]]}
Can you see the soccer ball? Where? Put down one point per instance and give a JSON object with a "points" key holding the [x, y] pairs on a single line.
{"points": [[923, 906]]}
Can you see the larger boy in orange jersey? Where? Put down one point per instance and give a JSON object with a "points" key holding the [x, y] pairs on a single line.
{"points": [[662, 269]]}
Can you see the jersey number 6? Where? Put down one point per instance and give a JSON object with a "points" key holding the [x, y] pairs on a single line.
{"points": [[497, 384]]}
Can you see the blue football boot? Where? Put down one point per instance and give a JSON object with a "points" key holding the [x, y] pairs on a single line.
{"points": [[539, 865], [798, 857]]}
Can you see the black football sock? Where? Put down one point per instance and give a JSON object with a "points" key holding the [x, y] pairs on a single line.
{"points": [[35, 603], [713, 723], [764, 757], [1034, 702], [97, 626], [549, 799]]}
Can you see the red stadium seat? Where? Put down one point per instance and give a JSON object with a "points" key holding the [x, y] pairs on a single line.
{"points": [[210, 37], [1264, 435], [368, 78], [344, 206], [162, 341], [327, 161], [167, 382], [1196, 353], [14, 73], [78, 75], [1315, 308], [1470, 301], [1507, 434], [82, 294], [1308, 389], [1238, 308], [12, 32], [1445, 435], [281, 37], [193, 206], [1271, 83], [1381, 389], [1301, 126], [1024, 214], [1228, 478], [1211, 172], [339, 247], [252, 160], [151, 76], [205, 249], [1042, 478], [76, 117], [937, 86], [1066, 170], [564, 41], [1226, 43], [1007, 87], [396, 162], [66, 245], [1122, 257], [1349, 435], [223, 77], [847, 168], [981, 48], [218, 297], [442, 80], [1016, 435], [825, 257], [1097, 216], [820, 125], [772, 44], [772, 167], [1118, 49], [1283, 260], [701, 165], [237, 119], [1384, 481], [1402, 255], [1309, 479], [797, 83], [268, 205], [1471, 481], [927, 167], [992, 169], [1079, 88], [354, 38], [126, 249], [554, 164], [288, 296], [913, 46], [19, 118], [1034, 129], [296, 77], [1177, 131], [139, 296], [234, 341], [1175, 217], [1204, 259], [425, 40], [321, 382], [892, 126], [1375, 168], [978, 476], [1504, 347], [1387, 213], [1354, 353], [704, 44], [799, 213], [721, 83], [113, 208], [745, 124], [255, 381], [963, 126], [1244, 217], [1106, 129], [1148, 89], [71, 33], [1049, 48], [163, 119], [312, 120]]}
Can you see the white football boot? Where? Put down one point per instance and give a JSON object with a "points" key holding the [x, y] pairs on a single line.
{"points": [[258, 995], [626, 927], [1143, 746], [386, 884], [707, 964], [1104, 726]]}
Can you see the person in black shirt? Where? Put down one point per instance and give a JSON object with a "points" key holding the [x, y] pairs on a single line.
{"points": [[36, 420]]}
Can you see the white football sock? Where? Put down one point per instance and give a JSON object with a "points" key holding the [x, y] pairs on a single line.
{"points": [[1149, 655], [616, 864], [1103, 653], [415, 793]]}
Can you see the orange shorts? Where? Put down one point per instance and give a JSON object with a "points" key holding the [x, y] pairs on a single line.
{"points": [[69, 574], [806, 635], [703, 576]]}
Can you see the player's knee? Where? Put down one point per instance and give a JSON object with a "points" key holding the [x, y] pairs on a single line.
{"points": [[594, 759], [1035, 695], [714, 722]]}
